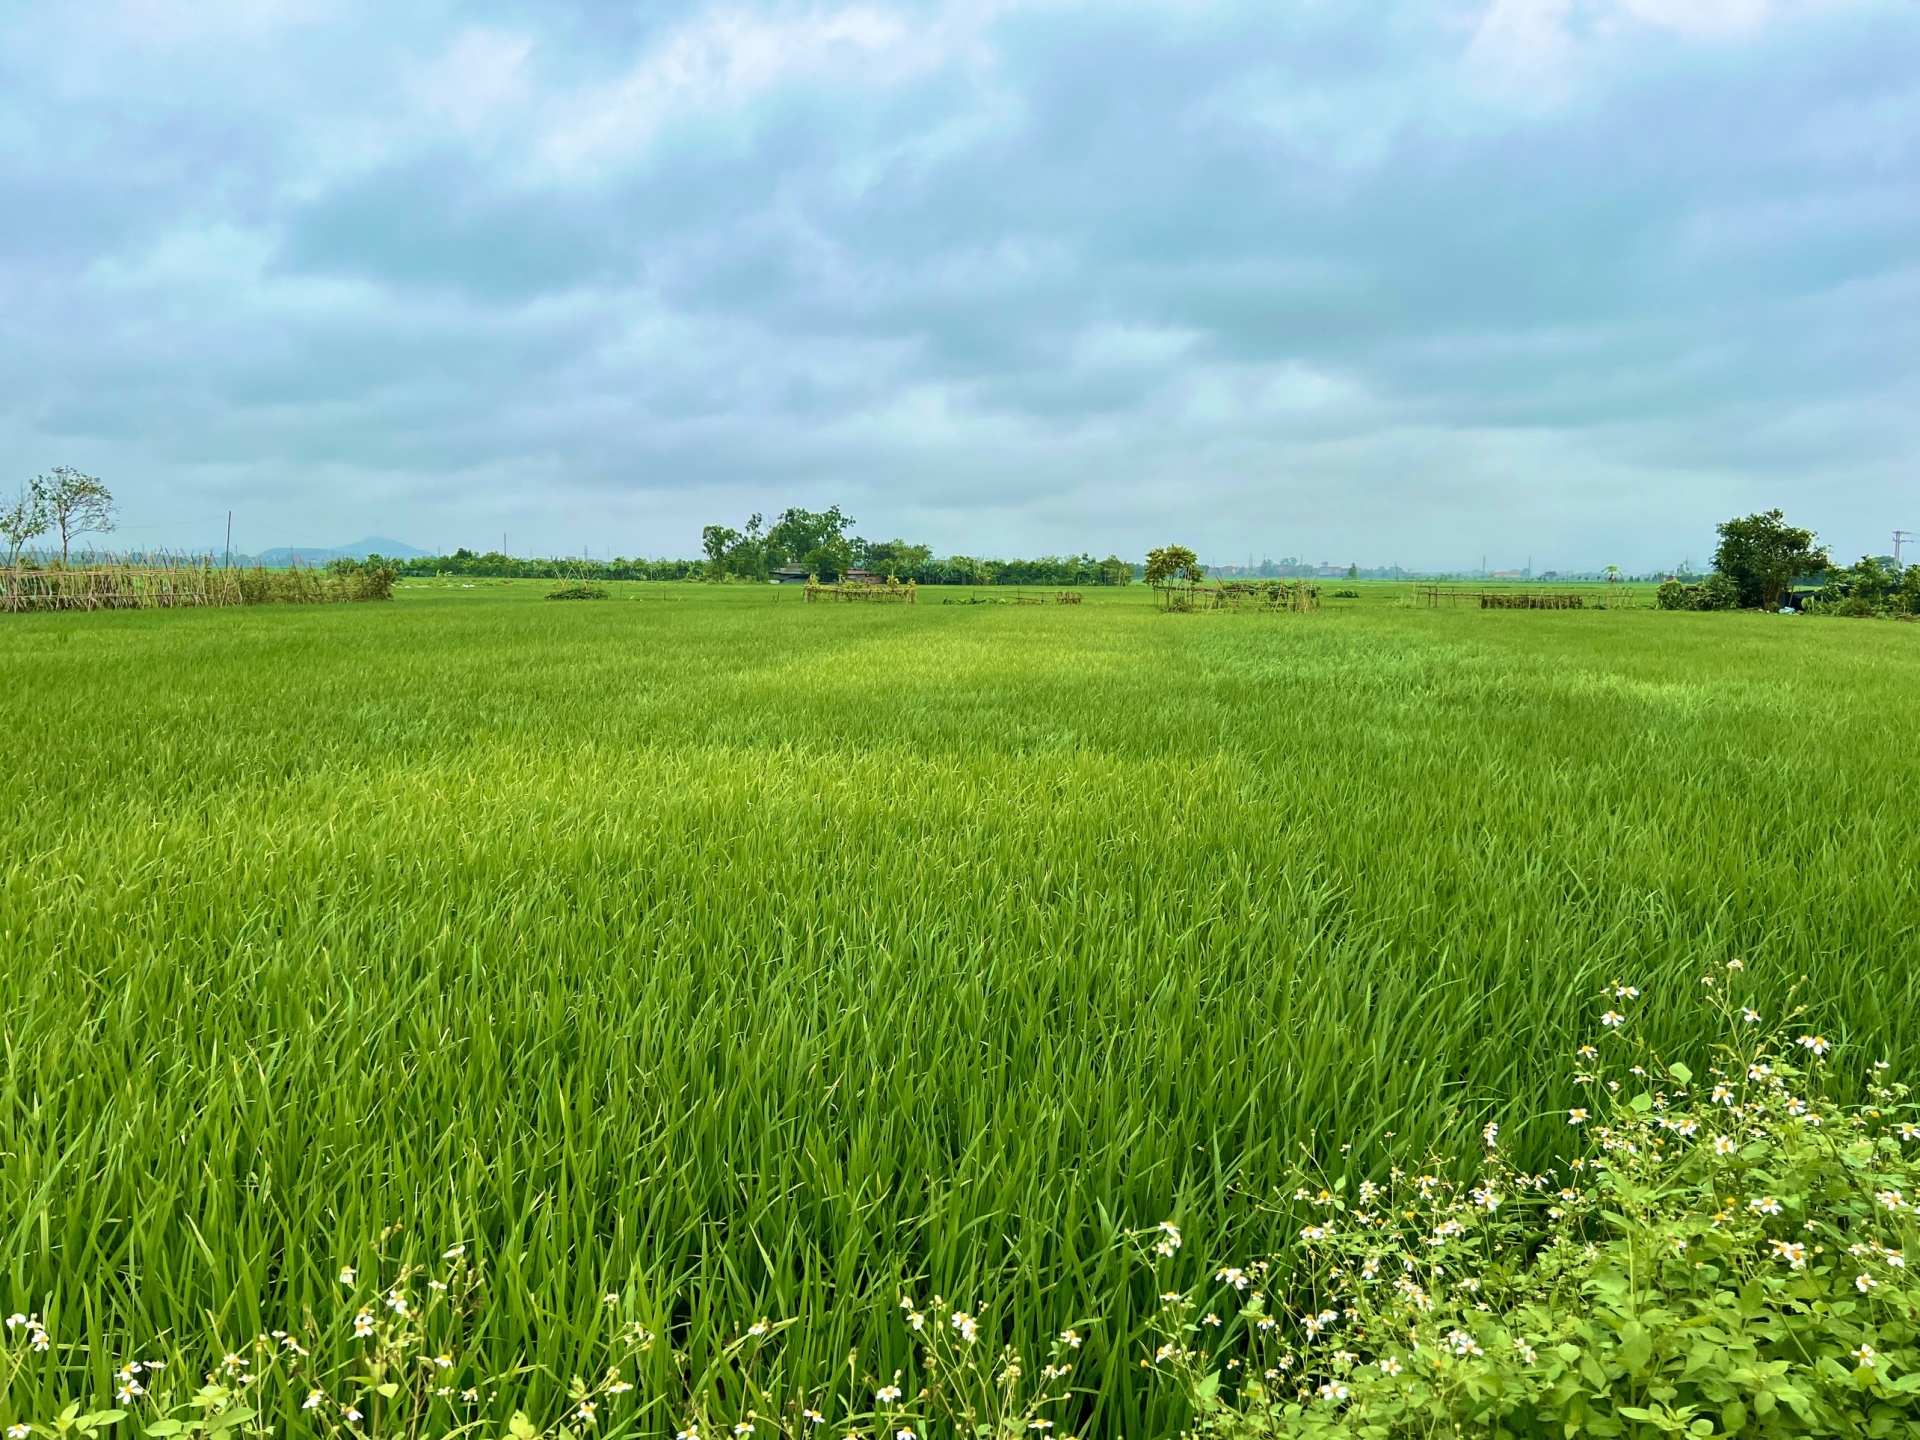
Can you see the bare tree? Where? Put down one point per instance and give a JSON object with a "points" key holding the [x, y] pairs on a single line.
{"points": [[26, 519], [77, 504]]}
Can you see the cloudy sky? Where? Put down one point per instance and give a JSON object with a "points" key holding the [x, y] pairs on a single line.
{"points": [[1559, 279]]}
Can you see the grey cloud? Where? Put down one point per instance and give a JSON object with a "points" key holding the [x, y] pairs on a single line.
{"points": [[1224, 267]]}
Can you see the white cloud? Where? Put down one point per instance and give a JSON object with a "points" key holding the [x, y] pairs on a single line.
{"points": [[479, 82], [727, 59], [1533, 47]]}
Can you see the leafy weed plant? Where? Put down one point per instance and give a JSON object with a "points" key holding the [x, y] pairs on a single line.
{"points": [[1725, 1256]]}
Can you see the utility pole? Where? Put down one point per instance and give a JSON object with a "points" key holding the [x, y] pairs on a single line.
{"points": [[228, 562], [1900, 537]]}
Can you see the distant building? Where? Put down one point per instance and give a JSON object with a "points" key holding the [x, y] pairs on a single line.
{"points": [[861, 577], [790, 575]]}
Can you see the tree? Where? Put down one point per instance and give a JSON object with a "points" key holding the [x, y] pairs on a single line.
{"points": [[797, 533], [717, 540], [77, 504], [1172, 563], [894, 557], [1113, 571], [1763, 555], [26, 519]]}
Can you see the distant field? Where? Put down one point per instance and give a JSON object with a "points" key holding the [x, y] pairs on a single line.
{"points": [[745, 957]]}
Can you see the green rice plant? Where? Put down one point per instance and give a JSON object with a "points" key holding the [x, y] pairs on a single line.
{"points": [[762, 961]]}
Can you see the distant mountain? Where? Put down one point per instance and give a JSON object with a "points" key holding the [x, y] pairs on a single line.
{"points": [[359, 550]]}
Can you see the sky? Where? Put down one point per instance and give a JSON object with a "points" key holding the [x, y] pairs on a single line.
{"points": [[1559, 282]]}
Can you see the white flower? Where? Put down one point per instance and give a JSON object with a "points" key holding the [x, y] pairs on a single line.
{"points": [[1750, 1015], [1764, 1205], [445, 1362], [1613, 1019], [397, 1303], [758, 1327], [903, 1433], [968, 1327], [814, 1417], [363, 1324], [1576, 1117], [1333, 1391], [1236, 1278], [610, 1298], [1816, 1043], [1865, 1355], [1724, 1145], [1907, 1132], [16, 1320], [1070, 1339], [1390, 1366], [346, 1274], [743, 1428], [1735, 965], [1892, 1199], [887, 1394], [354, 1417], [692, 1432], [1722, 1095], [917, 1320], [19, 1432], [1210, 1319], [1864, 1283], [1169, 1240], [1491, 1133], [453, 1253]]}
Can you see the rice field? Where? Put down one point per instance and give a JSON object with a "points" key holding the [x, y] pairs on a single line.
{"points": [[739, 959]]}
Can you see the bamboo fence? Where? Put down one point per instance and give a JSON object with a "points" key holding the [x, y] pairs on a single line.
{"points": [[168, 587]]}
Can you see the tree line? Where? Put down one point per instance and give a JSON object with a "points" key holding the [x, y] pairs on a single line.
{"points": [[1763, 563], [818, 542]]}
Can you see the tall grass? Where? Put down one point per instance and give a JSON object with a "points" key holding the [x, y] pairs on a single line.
{"points": [[764, 959]]}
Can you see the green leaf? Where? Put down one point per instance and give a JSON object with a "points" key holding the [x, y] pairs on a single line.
{"points": [[227, 1419], [521, 1426], [389, 1390], [1207, 1392], [1636, 1346], [1642, 1102], [1680, 1073], [1733, 1417], [165, 1427]]}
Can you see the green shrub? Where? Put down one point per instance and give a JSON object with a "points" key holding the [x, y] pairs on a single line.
{"points": [[578, 590], [1672, 595], [1716, 592], [1722, 1257]]}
